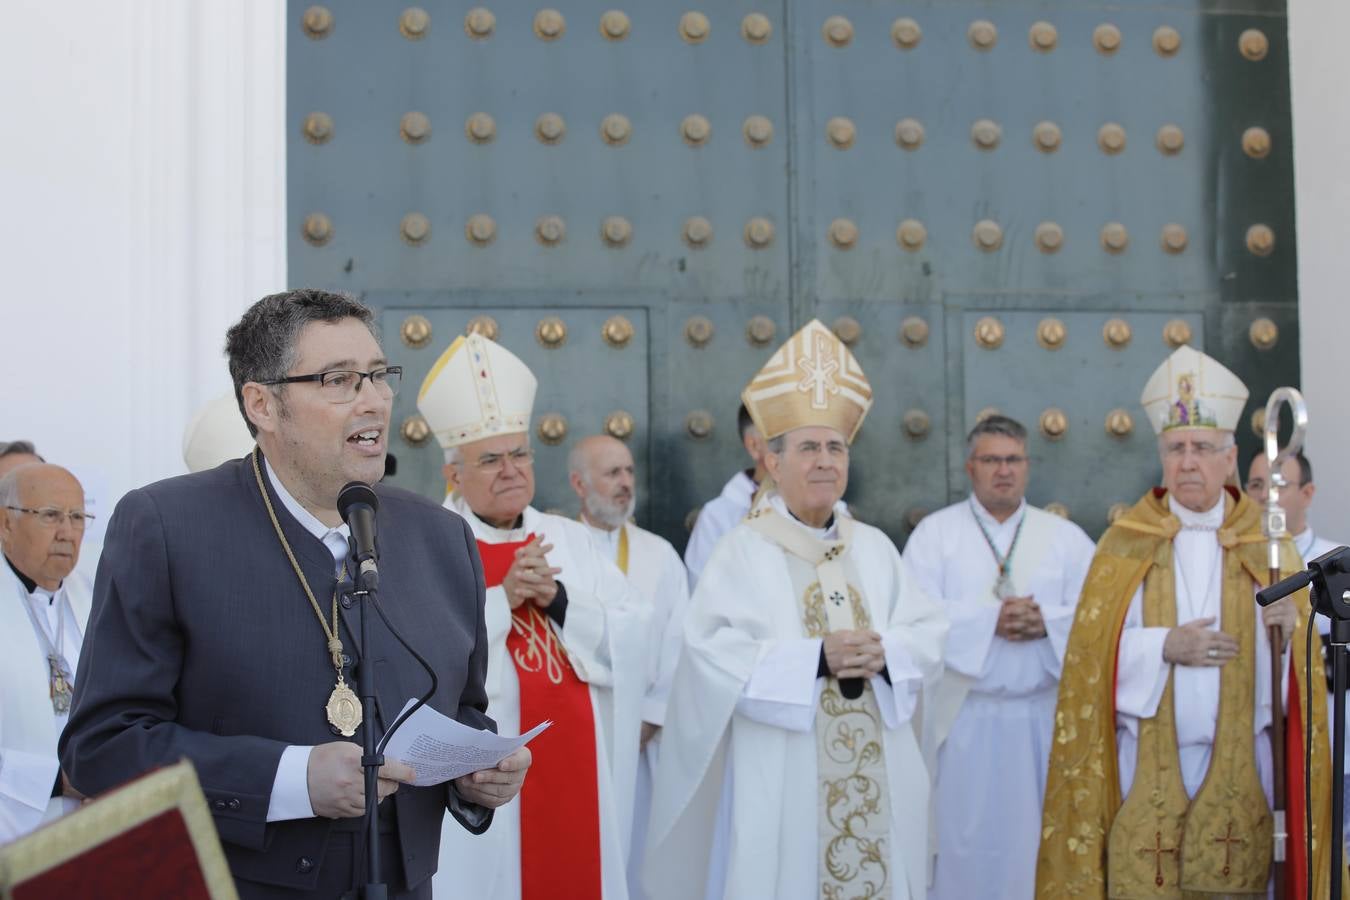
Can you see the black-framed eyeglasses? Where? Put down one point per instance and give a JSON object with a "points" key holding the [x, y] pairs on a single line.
{"points": [[342, 385], [52, 517]]}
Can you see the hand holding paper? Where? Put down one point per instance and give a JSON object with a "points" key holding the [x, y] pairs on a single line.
{"points": [[438, 749], [497, 786]]}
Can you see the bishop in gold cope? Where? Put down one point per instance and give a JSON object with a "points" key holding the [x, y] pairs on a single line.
{"points": [[1161, 769]]}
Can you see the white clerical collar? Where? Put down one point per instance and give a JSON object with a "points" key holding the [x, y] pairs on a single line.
{"points": [[824, 534], [329, 537], [1209, 520], [988, 518]]}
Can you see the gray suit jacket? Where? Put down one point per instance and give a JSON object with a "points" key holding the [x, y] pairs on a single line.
{"points": [[202, 644]]}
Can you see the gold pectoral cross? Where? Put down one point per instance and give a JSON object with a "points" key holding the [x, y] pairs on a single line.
{"points": [[1158, 850]]}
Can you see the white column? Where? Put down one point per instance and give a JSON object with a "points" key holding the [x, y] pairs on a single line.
{"points": [[1320, 70], [143, 168]]}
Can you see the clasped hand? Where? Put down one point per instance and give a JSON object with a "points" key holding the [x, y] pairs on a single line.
{"points": [[854, 653], [1020, 619], [530, 576]]}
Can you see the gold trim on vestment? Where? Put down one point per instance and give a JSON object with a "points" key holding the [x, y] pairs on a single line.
{"points": [[854, 803], [1163, 844], [542, 651], [1082, 798], [853, 795]]}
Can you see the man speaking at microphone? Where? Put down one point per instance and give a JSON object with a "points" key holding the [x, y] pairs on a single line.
{"points": [[218, 633]]}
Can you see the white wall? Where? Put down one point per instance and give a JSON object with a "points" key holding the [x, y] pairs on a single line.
{"points": [[143, 176], [1320, 72]]}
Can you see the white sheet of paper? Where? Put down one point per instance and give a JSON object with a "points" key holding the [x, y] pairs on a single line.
{"points": [[438, 748]]}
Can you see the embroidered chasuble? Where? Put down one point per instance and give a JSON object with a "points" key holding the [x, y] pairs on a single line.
{"points": [[559, 813], [1157, 842], [853, 805]]}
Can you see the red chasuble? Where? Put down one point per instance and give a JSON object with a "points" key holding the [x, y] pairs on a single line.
{"points": [[559, 803]]}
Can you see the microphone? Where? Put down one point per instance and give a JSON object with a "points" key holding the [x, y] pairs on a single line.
{"points": [[1281, 589], [357, 503]]}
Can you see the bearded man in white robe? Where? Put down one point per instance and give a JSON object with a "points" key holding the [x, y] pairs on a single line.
{"points": [[568, 643], [602, 473], [790, 765], [1009, 575]]}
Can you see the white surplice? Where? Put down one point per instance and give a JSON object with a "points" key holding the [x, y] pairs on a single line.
{"points": [[659, 579], [718, 516], [1141, 673], [992, 717], [29, 726], [735, 806], [605, 634]]}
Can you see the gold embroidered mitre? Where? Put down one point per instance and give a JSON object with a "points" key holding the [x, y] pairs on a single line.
{"points": [[1192, 390], [477, 389], [215, 435], [812, 379]]}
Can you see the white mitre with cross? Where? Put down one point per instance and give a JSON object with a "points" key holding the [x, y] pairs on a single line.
{"points": [[812, 379], [215, 435], [1192, 390], [477, 389]]}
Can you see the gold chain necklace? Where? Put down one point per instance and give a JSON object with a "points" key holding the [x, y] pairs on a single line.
{"points": [[343, 708]]}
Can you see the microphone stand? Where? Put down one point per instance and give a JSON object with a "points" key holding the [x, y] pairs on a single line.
{"points": [[1340, 636], [1329, 576], [365, 589]]}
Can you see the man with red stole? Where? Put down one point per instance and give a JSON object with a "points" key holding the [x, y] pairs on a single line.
{"points": [[566, 642], [1161, 769]]}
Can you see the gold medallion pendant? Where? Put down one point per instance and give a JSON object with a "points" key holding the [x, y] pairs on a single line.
{"points": [[344, 709]]}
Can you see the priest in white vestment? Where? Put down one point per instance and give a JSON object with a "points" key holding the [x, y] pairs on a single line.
{"points": [[722, 513], [43, 614], [790, 763], [568, 643], [601, 471], [1009, 575]]}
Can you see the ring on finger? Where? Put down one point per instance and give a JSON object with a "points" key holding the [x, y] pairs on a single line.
{"points": [[1213, 653]]}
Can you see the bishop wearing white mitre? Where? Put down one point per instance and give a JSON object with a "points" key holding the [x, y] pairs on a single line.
{"points": [[566, 643]]}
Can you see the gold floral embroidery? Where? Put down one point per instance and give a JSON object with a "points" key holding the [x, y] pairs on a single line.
{"points": [[542, 648], [854, 803], [815, 619]]}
